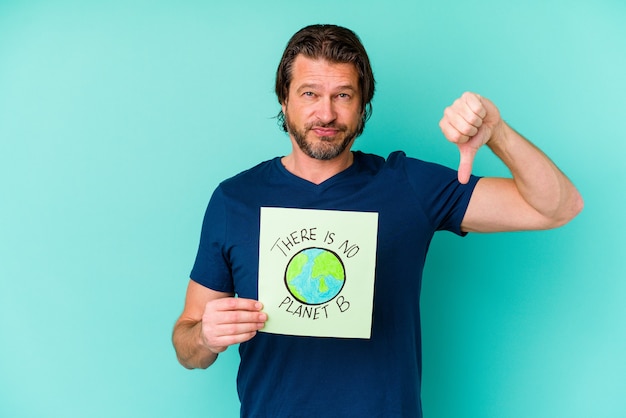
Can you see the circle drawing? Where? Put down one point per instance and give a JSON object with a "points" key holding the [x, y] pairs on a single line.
{"points": [[315, 276]]}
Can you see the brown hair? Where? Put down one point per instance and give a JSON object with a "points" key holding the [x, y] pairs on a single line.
{"points": [[335, 44]]}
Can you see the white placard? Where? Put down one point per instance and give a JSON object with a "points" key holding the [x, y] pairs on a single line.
{"points": [[316, 271]]}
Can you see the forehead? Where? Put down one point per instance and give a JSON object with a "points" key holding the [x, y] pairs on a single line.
{"points": [[324, 73]]}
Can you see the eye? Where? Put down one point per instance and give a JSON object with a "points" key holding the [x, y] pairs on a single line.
{"points": [[343, 95], [308, 94]]}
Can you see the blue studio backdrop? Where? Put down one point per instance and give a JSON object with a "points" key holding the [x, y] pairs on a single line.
{"points": [[118, 119]]}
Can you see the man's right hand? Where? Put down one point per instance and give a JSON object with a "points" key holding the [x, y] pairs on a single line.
{"points": [[212, 321], [230, 320]]}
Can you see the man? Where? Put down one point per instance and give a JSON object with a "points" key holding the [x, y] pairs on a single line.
{"points": [[325, 85]]}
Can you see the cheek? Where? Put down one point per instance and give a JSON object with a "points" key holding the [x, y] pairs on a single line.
{"points": [[351, 116], [299, 112]]}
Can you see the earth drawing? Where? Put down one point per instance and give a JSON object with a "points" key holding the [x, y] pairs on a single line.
{"points": [[315, 276]]}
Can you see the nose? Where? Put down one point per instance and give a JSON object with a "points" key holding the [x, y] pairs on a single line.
{"points": [[325, 111]]}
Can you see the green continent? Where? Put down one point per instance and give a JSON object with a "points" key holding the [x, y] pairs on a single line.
{"points": [[293, 270], [327, 263], [323, 285]]}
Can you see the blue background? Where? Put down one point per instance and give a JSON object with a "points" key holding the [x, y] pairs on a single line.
{"points": [[118, 118]]}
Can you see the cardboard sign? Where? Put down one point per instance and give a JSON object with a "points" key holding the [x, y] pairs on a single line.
{"points": [[316, 271]]}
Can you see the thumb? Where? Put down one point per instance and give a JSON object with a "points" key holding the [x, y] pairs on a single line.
{"points": [[467, 154]]}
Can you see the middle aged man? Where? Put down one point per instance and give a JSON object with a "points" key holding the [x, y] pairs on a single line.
{"points": [[325, 85]]}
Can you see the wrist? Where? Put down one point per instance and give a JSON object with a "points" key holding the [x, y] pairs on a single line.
{"points": [[499, 135]]}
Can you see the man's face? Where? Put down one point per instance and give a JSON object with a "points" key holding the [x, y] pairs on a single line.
{"points": [[323, 108]]}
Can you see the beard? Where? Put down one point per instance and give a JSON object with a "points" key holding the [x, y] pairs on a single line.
{"points": [[328, 147]]}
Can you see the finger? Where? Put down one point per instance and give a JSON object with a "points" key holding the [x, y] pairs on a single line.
{"points": [[236, 304], [221, 335], [461, 119], [226, 330], [226, 313], [451, 132], [467, 155], [466, 114], [474, 104], [239, 317]]}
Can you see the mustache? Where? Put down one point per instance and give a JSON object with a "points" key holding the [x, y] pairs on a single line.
{"points": [[333, 125]]}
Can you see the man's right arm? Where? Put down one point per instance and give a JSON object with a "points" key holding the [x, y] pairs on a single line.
{"points": [[211, 322]]}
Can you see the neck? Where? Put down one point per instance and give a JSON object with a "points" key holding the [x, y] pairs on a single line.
{"points": [[316, 171]]}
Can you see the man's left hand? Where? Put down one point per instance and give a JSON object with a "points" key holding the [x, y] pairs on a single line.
{"points": [[470, 122]]}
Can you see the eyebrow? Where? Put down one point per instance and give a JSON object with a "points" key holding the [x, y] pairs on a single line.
{"points": [[315, 86]]}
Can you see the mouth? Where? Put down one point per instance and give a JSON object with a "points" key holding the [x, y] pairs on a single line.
{"points": [[323, 132], [327, 130]]}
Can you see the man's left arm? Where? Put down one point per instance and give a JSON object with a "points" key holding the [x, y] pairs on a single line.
{"points": [[539, 196]]}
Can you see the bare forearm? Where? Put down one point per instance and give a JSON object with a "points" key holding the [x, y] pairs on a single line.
{"points": [[539, 181], [188, 345]]}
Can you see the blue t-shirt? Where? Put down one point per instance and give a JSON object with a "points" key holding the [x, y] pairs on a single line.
{"points": [[293, 376]]}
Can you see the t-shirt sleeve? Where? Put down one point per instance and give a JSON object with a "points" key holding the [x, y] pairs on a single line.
{"points": [[442, 198], [211, 268]]}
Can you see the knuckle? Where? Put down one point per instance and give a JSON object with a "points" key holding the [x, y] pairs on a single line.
{"points": [[238, 317], [230, 303], [231, 329], [470, 131], [457, 137]]}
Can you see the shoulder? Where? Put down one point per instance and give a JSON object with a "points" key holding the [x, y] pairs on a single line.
{"points": [[399, 160], [253, 172], [398, 166], [427, 179], [368, 162], [400, 163], [251, 177]]}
